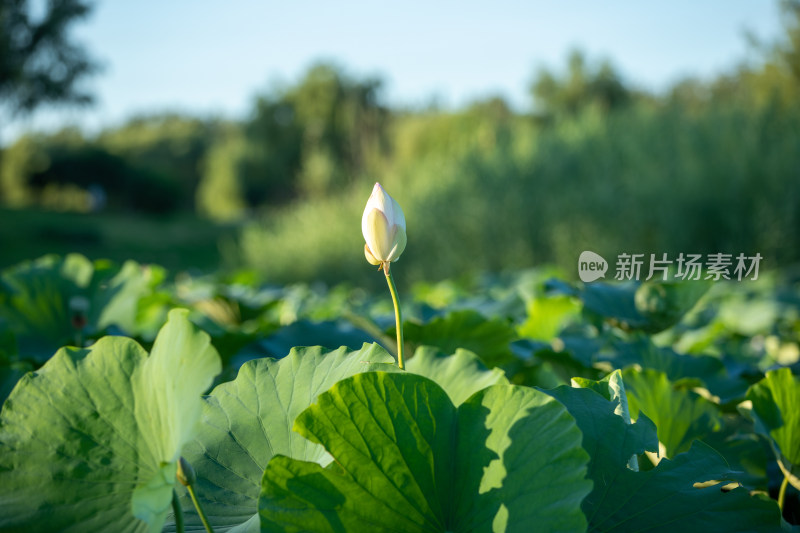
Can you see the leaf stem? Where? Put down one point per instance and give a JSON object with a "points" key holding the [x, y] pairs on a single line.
{"points": [[200, 512], [397, 315], [177, 510], [782, 492]]}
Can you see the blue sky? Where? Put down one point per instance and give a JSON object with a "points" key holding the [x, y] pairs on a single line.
{"points": [[211, 57]]}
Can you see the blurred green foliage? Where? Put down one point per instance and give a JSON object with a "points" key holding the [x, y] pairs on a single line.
{"points": [[149, 165], [169, 149], [179, 242], [708, 166]]}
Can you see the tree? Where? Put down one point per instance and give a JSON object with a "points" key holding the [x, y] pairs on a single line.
{"points": [[168, 144], [583, 85], [789, 50], [306, 140], [772, 80], [38, 62]]}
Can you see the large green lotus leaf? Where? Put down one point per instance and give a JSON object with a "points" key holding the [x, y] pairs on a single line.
{"points": [[407, 459], [547, 315], [90, 441], [680, 415], [572, 354], [664, 303], [735, 443], [249, 420], [710, 370], [461, 374], [652, 306], [613, 303], [665, 498], [488, 338], [776, 411], [115, 291], [612, 388], [743, 450], [35, 299]]}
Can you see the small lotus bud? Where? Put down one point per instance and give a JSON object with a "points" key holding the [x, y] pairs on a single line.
{"points": [[186, 474], [79, 308], [384, 227]]}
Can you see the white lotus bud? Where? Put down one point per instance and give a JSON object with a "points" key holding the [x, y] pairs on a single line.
{"points": [[384, 227], [185, 473]]}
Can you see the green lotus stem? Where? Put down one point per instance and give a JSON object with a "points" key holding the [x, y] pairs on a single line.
{"points": [[397, 315], [782, 492], [177, 510], [200, 512]]}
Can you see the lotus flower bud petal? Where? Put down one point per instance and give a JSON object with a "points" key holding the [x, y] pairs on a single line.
{"points": [[384, 227], [370, 257], [400, 244], [186, 474]]}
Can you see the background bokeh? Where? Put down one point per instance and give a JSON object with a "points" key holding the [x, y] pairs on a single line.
{"points": [[581, 154]]}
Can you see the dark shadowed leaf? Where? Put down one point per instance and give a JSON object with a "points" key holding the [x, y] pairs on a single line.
{"points": [[664, 498], [680, 415], [467, 329], [776, 411]]}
